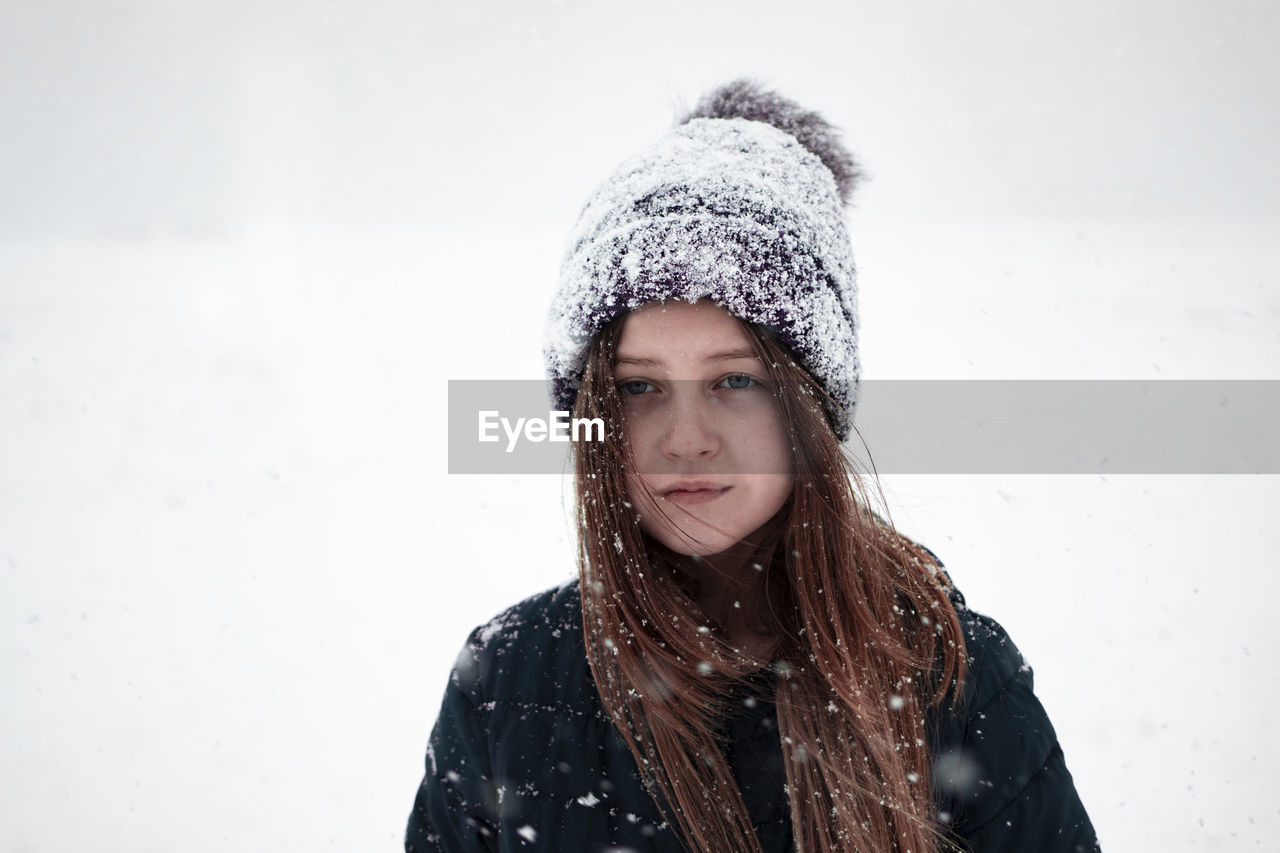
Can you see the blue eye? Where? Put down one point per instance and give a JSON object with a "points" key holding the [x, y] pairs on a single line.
{"points": [[738, 381], [633, 388]]}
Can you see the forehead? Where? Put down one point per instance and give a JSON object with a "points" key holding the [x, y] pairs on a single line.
{"points": [[681, 330]]}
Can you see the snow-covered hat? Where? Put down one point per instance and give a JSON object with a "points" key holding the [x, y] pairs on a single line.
{"points": [[742, 205]]}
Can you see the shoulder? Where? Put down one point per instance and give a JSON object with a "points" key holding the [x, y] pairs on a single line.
{"points": [[523, 750], [998, 765], [541, 616], [516, 651], [996, 705], [992, 658]]}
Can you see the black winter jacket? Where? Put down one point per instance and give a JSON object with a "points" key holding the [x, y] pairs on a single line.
{"points": [[523, 756]]}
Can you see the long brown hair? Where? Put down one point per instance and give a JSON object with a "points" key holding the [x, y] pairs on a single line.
{"points": [[868, 640]]}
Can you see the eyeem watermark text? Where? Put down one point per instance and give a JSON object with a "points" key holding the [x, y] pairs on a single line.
{"points": [[1094, 427], [559, 427]]}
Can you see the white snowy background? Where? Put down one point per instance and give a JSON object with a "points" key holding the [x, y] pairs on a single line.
{"points": [[244, 245]]}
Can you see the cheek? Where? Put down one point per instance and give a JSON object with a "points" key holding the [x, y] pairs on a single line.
{"points": [[637, 493], [780, 490], [767, 450], [785, 453], [644, 507], [636, 434], [643, 432]]}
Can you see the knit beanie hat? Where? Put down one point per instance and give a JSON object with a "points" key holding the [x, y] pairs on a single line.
{"points": [[741, 205]]}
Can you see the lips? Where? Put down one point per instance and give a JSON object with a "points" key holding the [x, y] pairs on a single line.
{"points": [[693, 492]]}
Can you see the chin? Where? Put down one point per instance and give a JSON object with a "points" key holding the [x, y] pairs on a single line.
{"points": [[698, 549], [701, 543]]}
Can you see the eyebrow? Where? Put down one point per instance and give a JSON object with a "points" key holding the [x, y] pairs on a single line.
{"points": [[727, 355]]}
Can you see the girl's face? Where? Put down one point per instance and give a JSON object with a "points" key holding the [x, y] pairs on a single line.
{"points": [[708, 439]]}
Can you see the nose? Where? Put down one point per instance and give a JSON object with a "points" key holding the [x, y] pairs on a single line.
{"points": [[690, 431]]}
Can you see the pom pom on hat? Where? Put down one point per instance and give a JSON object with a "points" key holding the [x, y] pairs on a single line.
{"points": [[728, 207], [747, 99]]}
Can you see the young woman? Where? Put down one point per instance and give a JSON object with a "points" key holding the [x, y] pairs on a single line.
{"points": [[751, 659]]}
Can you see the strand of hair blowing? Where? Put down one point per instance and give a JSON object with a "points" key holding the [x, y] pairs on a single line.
{"points": [[869, 640]]}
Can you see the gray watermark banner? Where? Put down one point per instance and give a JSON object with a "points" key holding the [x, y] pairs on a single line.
{"points": [[508, 427]]}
